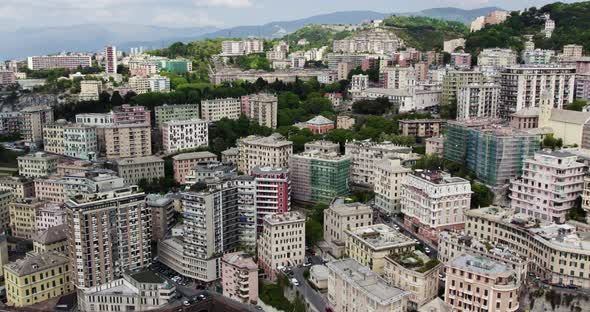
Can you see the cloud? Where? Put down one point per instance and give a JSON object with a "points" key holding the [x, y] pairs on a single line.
{"points": [[224, 3], [173, 18]]}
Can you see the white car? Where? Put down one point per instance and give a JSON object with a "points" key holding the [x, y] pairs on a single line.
{"points": [[295, 282], [427, 250]]}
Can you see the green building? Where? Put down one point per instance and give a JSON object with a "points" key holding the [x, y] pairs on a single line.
{"points": [[318, 176], [456, 136], [177, 66]]}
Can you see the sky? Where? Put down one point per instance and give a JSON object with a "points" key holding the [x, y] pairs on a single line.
{"points": [[16, 14]]}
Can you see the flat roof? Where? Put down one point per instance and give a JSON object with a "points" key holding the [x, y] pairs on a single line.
{"points": [[194, 155], [381, 236], [147, 277], [479, 264]]}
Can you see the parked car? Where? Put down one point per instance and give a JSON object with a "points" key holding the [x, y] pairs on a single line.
{"points": [[186, 303], [427, 250], [295, 282]]}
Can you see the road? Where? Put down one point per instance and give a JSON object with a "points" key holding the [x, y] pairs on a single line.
{"points": [[309, 293], [406, 231]]}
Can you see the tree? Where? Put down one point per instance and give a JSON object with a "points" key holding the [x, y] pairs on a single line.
{"points": [[378, 106], [313, 232], [482, 196], [577, 105], [551, 142], [116, 99], [429, 162]]}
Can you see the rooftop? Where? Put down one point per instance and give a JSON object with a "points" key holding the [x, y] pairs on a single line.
{"points": [[36, 263], [569, 116], [194, 155], [240, 260], [157, 200], [366, 281], [139, 160], [412, 121], [147, 277], [268, 170], [381, 236], [286, 217], [320, 120], [318, 154], [184, 122], [39, 156], [479, 264], [415, 260], [437, 177], [340, 207], [273, 139], [52, 235]]}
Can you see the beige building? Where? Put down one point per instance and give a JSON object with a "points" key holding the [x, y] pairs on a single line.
{"points": [[255, 151], [416, 273], [162, 210], [135, 169], [19, 186], [341, 216], [422, 128], [6, 198], [128, 140], [323, 147], [454, 80], [90, 90], [217, 109], [37, 165], [435, 146], [354, 287], [23, 217], [571, 126], [32, 121], [344, 122], [262, 108], [231, 155], [389, 174], [281, 242], [481, 284], [51, 239], [370, 244], [239, 277], [166, 113], [51, 189], [183, 163]]}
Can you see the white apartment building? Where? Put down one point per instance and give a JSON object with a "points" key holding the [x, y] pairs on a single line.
{"points": [[366, 154], [243, 47], [538, 57], [341, 216], [215, 110], [95, 119], [389, 173], [159, 83], [434, 201], [549, 186], [50, 215], [90, 90], [281, 242], [478, 100], [37, 165], [399, 77], [261, 108], [272, 151], [71, 139], [359, 82], [184, 134], [354, 287], [58, 61], [497, 57]]}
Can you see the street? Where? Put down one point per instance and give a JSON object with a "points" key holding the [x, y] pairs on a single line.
{"points": [[309, 294], [406, 231]]}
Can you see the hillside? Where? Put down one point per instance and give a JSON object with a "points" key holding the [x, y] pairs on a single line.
{"points": [[572, 27], [425, 33], [453, 14]]}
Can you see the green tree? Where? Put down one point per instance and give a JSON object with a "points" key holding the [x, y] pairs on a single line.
{"points": [[551, 142], [482, 196], [577, 105]]}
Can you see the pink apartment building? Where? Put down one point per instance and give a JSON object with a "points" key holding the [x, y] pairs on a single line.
{"points": [[550, 183], [185, 162], [273, 191], [127, 114], [50, 189], [239, 277]]}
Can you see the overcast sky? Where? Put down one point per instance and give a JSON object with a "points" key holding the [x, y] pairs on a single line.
{"points": [[221, 13]]}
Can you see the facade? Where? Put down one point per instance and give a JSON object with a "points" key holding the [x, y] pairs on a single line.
{"points": [[135, 169], [217, 109], [23, 217], [239, 277], [281, 242], [110, 58], [457, 134], [572, 51], [538, 56], [51, 189], [262, 108], [50, 215], [20, 187], [474, 283], [319, 177], [435, 146], [32, 121], [273, 191], [341, 216], [354, 287], [185, 162], [158, 83], [416, 273], [433, 201], [70, 139], [128, 140], [242, 47], [370, 244], [37, 278], [6, 198], [109, 233], [273, 151], [572, 127], [366, 154], [422, 128], [141, 291], [7, 78], [162, 209], [127, 114], [524, 86], [58, 61], [399, 77], [453, 81], [389, 173], [461, 60], [373, 40], [497, 57], [9, 122], [344, 122], [37, 165], [405, 100], [527, 118], [166, 113], [184, 134], [550, 184], [478, 100], [96, 119], [90, 90]]}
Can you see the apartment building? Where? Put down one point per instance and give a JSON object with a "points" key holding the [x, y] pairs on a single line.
{"points": [[51, 239], [366, 154], [354, 287], [70, 139], [37, 165], [231, 155], [454, 80], [239, 277], [549, 186], [433, 201], [128, 140], [50, 215], [435, 146], [158, 83], [32, 121], [461, 60], [181, 135], [109, 233], [415, 273], [475, 282], [183, 163], [110, 60], [20, 187], [135, 169], [90, 90], [371, 243], [162, 209], [262, 108], [319, 177], [242, 47], [9, 122], [211, 170], [524, 86], [273, 191], [281, 242], [7, 78], [422, 128], [273, 151], [373, 40], [555, 251], [166, 113], [344, 122], [497, 57], [478, 100], [23, 217], [139, 84], [389, 174], [340, 216], [406, 100], [6, 198], [96, 119], [51, 189], [538, 56], [398, 77], [572, 50], [58, 61], [456, 136], [127, 114], [36, 278], [140, 291], [217, 109]]}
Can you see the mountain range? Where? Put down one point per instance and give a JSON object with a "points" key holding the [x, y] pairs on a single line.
{"points": [[92, 37]]}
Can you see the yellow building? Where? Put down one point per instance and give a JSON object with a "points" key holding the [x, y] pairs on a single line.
{"points": [[23, 217], [369, 245], [571, 126], [52, 239], [36, 278]]}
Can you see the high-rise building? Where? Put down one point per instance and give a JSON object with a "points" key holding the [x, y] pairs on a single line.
{"points": [[110, 56], [183, 163], [549, 186], [262, 108], [389, 174], [497, 57], [399, 77], [184, 134], [159, 83], [33, 119], [162, 209], [478, 100], [127, 114], [166, 113], [273, 191], [58, 61], [272, 151], [452, 83], [341, 216], [239, 277], [128, 140], [23, 217], [318, 176], [215, 110], [109, 233]]}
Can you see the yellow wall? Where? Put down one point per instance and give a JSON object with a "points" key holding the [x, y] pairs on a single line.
{"points": [[48, 284]]}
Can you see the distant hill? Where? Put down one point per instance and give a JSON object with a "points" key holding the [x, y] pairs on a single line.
{"points": [[454, 14], [425, 33]]}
